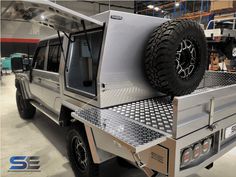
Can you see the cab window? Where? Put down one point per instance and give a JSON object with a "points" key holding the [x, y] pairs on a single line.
{"points": [[40, 57], [54, 55], [83, 62]]}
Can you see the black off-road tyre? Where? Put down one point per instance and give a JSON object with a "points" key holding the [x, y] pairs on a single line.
{"points": [[25, 109], [175, 48], [77, 156]]}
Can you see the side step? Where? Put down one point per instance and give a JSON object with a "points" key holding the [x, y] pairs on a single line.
{"points": [[135, 136], [44, 110]]}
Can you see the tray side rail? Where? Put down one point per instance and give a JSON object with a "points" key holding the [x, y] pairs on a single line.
{"points": [[204, 109]]}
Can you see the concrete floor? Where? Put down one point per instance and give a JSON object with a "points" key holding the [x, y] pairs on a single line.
{"points": [[42, 137]]}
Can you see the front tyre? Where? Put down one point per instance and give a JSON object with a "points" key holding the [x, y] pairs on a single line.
{"points": [[25, 109], [79, 154]]}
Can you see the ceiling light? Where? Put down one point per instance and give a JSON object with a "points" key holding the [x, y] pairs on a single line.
{"points": [[162, 11], [150, 6], [177, 4], [157, 8]]}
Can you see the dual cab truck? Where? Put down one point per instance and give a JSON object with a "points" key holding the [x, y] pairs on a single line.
{"points": [[127, 85]]}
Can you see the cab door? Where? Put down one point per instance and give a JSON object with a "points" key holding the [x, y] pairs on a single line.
{"points": [[45, 85], [37, 72], [50, 81]]}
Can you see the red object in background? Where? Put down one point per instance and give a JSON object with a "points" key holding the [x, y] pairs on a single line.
{"points": [[217, 38], [19, 40]]}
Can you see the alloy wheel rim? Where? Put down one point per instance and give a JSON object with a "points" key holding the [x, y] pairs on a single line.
{"points": [[185, 59], [80, 154]]}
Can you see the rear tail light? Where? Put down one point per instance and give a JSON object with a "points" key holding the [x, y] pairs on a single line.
{"points": [[187, 156], [206, 145], [195, 151]]}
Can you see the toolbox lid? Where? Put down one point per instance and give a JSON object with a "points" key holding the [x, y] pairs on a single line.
{"points": [[133, 135], [48, 14]]}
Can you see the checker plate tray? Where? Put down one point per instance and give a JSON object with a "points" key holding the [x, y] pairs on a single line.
{"points": [[137, 136]]}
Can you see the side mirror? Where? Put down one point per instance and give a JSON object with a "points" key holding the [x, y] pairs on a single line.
{"points": [[20, 64]]}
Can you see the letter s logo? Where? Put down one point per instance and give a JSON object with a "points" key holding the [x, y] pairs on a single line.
{"points": [[18, 162]]}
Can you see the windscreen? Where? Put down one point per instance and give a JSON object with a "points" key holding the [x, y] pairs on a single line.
{"points": [[226, 24]]}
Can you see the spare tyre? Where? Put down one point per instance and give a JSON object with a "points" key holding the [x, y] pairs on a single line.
{"points": [[176, 57]]}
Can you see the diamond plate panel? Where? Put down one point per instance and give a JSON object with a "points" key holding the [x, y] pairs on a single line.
{"points": [[131, 133], [142, 122], [213, 79], [154, 112], [205, 89]]}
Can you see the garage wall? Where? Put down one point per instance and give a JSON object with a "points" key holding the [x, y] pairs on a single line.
{"points": [[8, 48]]}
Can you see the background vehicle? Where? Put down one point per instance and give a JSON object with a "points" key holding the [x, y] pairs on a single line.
{"points": [[88, 80], [6, 65], [221, 38]]}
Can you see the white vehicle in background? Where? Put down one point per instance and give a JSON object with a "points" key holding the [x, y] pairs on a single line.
{"points": [[128, 86], [221, 36]]}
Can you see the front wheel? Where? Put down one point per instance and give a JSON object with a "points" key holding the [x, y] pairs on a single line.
{"points": [[25, 109], [79, 154]]}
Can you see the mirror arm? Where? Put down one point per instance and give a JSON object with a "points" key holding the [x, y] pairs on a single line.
{"points": [[30, 74]]}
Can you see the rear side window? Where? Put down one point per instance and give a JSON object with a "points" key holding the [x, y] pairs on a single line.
{"points": [[54, 56], [83, 65], [40, 58]]}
